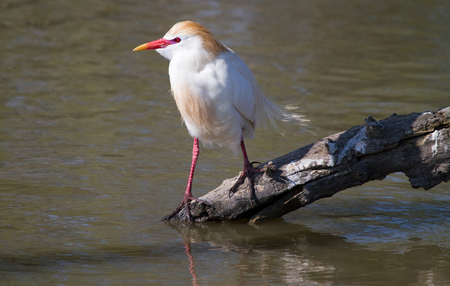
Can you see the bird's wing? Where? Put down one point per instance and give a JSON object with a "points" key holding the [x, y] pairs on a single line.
{"points": [[245, 88]]}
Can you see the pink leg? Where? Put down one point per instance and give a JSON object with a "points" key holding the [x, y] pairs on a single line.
{"points": [[247, 172], [195, 153], [244, 154], [188, 193]]}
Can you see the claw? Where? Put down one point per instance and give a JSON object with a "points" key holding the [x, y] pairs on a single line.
{"points": [[247, 173], [186, 203]]}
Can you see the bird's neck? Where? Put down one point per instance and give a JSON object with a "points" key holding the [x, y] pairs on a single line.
{"points": [[192, 61]]}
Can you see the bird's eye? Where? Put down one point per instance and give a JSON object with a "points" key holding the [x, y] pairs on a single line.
{"points": [[177, 40]]}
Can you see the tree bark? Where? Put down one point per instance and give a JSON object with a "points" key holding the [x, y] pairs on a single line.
{"points": [[417, 144]]}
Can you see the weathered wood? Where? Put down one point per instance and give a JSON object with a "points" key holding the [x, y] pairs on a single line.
{"points": [[417, 144]]}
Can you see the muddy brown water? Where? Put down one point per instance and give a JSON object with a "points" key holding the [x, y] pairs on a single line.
{"points": [[93, 152]]}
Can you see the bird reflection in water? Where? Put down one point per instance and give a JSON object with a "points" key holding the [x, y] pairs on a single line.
{"points": [[183, 230], [187, 246]]}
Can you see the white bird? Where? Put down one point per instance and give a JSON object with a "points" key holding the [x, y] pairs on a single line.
{"points": [[216, 93]]}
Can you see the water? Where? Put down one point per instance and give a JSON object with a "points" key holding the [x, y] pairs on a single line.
{"points": [[93, 154]]}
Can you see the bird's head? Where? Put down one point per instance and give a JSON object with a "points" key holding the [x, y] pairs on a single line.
{"points": [[185, 38]]}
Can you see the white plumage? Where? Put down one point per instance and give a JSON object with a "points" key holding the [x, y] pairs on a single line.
{"points": [[215, 91]]}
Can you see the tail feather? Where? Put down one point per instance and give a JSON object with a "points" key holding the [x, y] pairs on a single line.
{"points": [[270, 112]]}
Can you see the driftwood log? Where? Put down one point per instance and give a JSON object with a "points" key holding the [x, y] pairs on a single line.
{"points": [[417, 144]]}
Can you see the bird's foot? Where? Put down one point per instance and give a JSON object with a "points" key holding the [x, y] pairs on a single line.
{"points": [[248, 172], [186, 203]]}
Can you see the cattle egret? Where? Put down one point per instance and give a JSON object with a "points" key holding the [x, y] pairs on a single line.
{"points": [[216, 93]]}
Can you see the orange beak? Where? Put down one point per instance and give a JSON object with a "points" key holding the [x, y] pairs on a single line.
{"points": [[158, 44]]}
